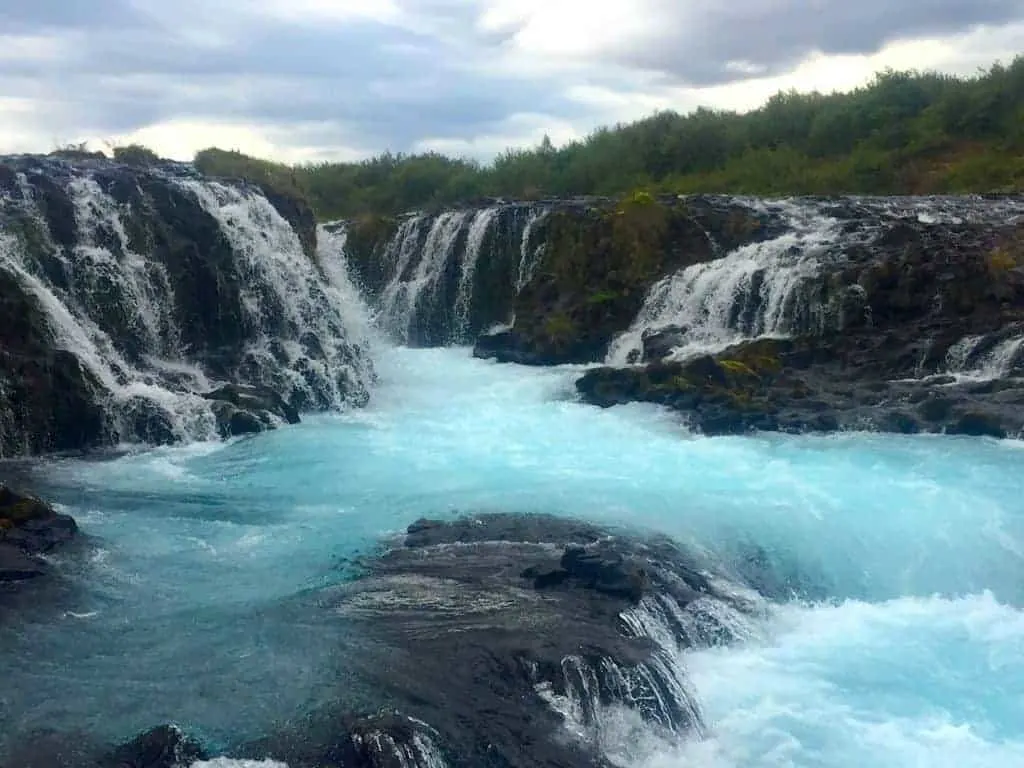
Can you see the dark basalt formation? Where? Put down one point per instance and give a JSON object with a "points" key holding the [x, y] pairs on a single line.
{"points": [[164, 747], [117, 280], [598, 264], [474, 630], [242, 410], [890, 311], [28, 528]]}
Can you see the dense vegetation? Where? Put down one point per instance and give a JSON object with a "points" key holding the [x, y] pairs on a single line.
{"points": [[905, 132]]}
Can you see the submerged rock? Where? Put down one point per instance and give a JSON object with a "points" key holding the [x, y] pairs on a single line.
{"points": [[29, 527]]}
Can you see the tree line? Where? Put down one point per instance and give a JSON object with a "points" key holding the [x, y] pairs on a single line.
{"points": [[905, 132]]}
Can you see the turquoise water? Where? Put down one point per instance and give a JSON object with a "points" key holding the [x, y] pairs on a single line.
{"points": [[898, 563]]}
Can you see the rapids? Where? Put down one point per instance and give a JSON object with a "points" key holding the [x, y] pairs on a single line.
{"points": [[895, 635]]}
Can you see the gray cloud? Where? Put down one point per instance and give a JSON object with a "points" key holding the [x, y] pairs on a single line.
{"points": [[371, 85], [700, 39]]}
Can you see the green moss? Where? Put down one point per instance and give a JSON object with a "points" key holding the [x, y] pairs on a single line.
{"points": [[737, 367], [1002, 259], [559, 328], [602, 297]]}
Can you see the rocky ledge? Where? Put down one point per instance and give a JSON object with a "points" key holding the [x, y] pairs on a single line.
{"points": [[484, 637], [600, 260], [29, 528], [813, 384], [498, 640]]}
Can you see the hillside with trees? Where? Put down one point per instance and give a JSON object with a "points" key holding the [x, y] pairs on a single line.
{"points": [[903, 133]]}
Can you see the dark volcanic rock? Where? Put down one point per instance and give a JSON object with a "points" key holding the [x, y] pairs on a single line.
{"points": [[598, 264], [808, 384], [245, 410], [472, 631], [28, 527], [163, 747], [116, 275], [658, 344]]}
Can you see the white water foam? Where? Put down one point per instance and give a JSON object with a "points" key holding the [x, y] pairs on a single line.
{"points": [[747, 293], [907, 682]]}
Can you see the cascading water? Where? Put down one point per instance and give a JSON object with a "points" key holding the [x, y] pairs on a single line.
{"points": [[402, 297], [482, 221], [163, 285], [753, 291], [302, 343], [969, 360], [445, 278], [529, 252]]}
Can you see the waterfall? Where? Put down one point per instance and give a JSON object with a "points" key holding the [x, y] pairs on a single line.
{"points": [[482, 221], [163, 286], [302, 344], [444, 278], [402, 296], [750, 292], [529, 254], [971, 359]]}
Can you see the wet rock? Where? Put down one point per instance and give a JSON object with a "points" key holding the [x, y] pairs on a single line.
{"points": [[807, 384], [660, 343], [15, 565], [508, 347], [163, 747], [32, 525], [147, 422], [246, 410], [255, 399], [978, 424], [470, 628]]}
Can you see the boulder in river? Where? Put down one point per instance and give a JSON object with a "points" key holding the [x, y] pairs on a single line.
{"points": [[29, 527], [501, 639], [242, 409]]}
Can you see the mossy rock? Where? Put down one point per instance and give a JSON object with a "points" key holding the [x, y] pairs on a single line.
{"points": [[17, 509]]}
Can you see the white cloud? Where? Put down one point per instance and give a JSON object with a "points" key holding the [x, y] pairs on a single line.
{"points": [[326, 79]]}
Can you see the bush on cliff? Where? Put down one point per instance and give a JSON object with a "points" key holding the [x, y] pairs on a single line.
{"points": [[904, 132]]}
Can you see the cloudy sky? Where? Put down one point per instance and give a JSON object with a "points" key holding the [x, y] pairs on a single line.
{"points": [[341, 79]]}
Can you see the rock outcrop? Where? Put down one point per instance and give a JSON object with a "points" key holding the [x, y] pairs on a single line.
{"points": [[908, 326], [598, 264], [243, 410], [129, 291], [28, 528], [481, 633]]}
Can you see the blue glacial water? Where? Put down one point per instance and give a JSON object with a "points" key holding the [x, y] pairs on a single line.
{"points": [[902, 643]]}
